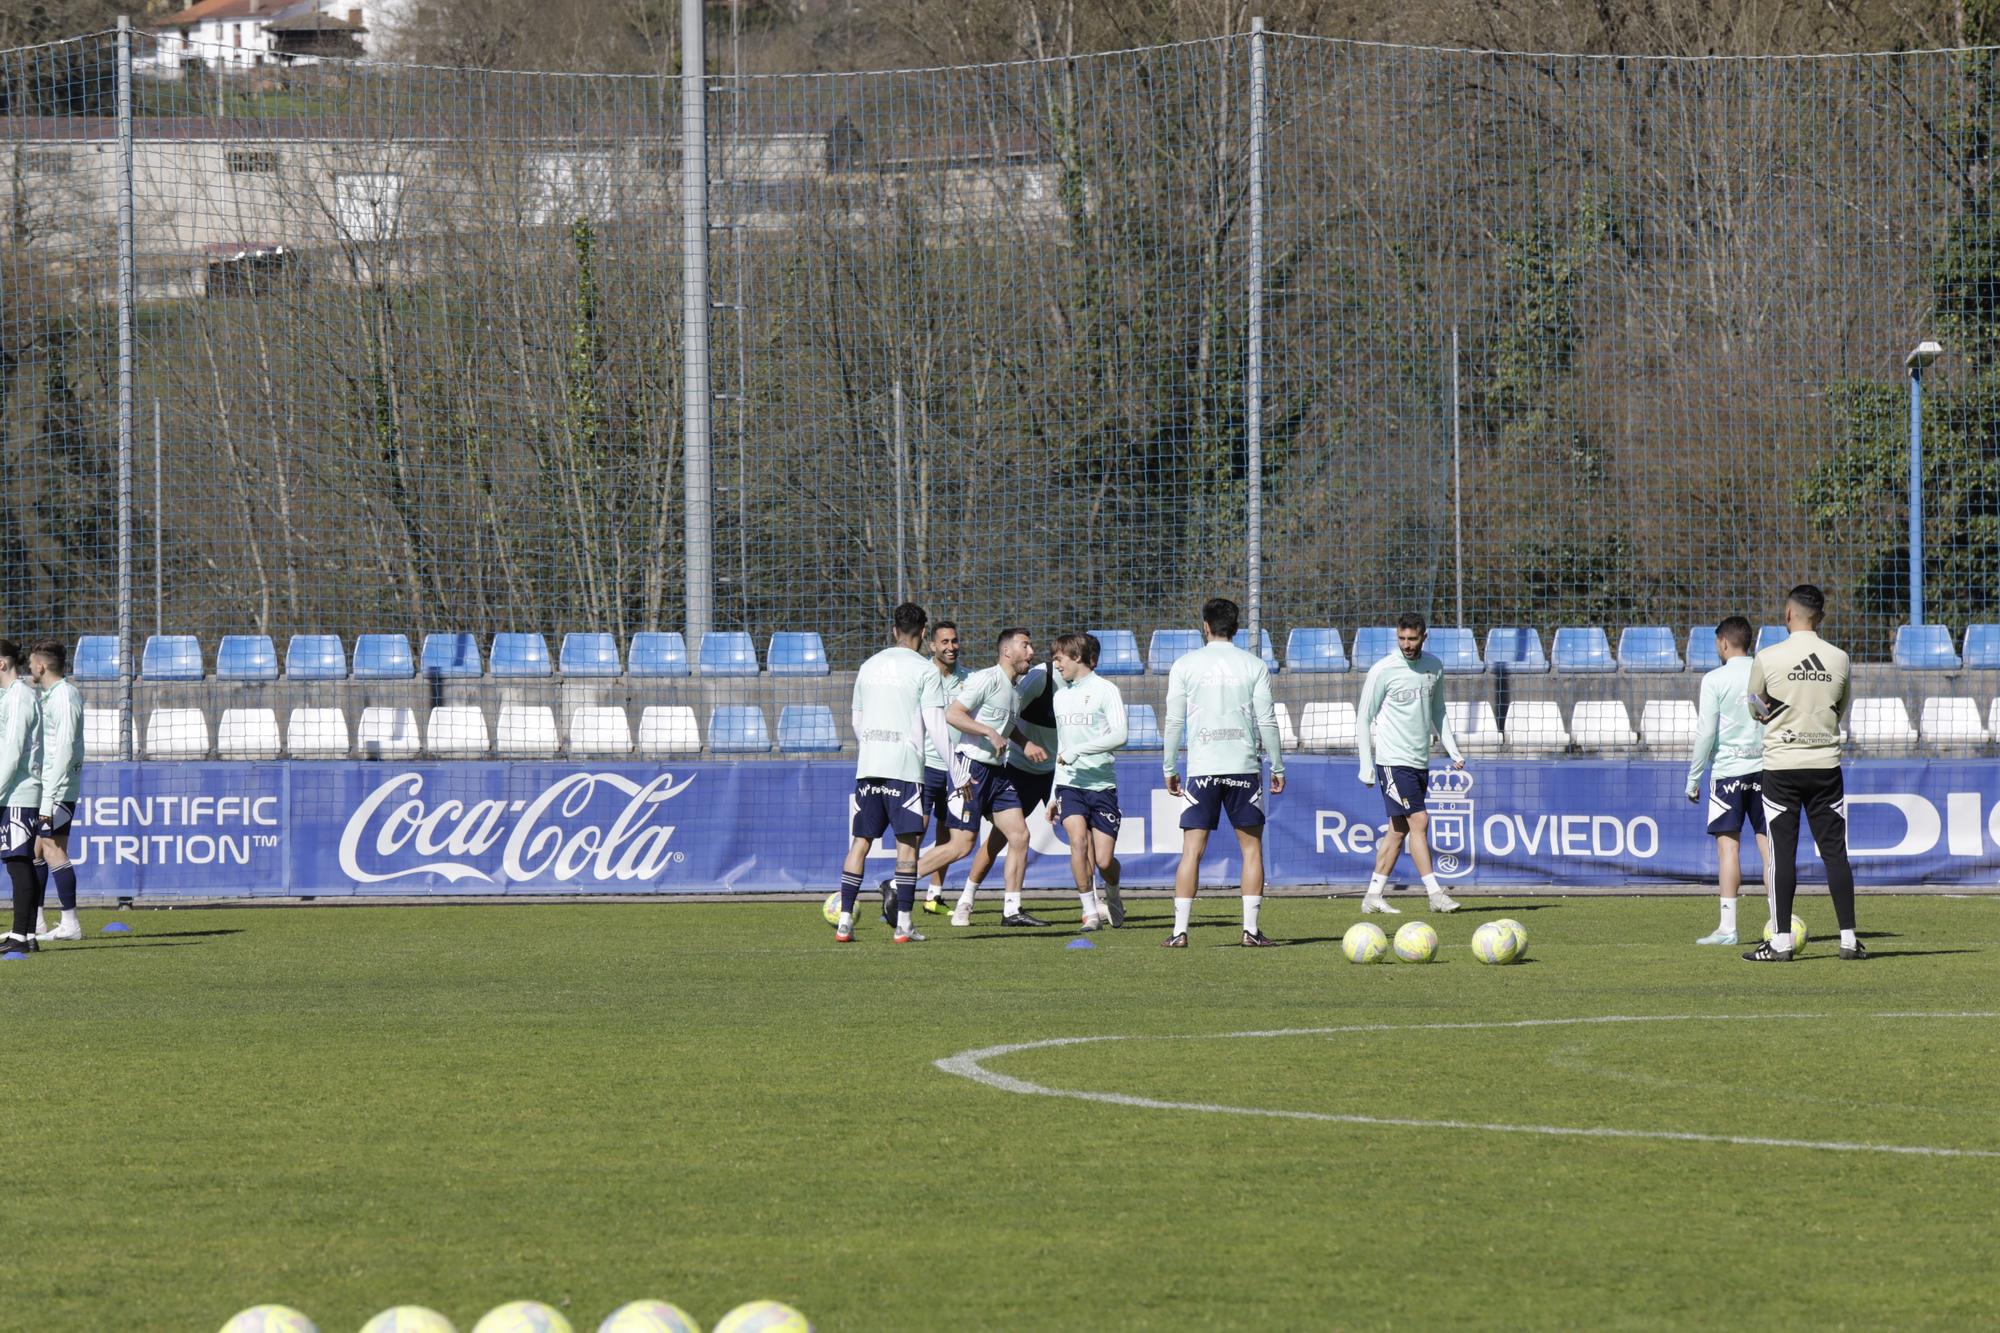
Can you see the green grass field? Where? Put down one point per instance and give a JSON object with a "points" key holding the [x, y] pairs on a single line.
{"points": [[346, 1109]]}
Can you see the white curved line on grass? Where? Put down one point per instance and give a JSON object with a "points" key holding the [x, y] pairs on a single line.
{"points": [[972, 1065]]}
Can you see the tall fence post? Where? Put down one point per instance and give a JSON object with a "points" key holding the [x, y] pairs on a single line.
{"points": [[1253, 375], [902, 486], [1916, 493], [127, 293], [1457, 495], [698, 494]]}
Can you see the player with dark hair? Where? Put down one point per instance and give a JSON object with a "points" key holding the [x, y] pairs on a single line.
{"points": [[59, 767], [20, 794], [1090, 730], [986, 714], [1402, 707], [944, 805], [1725, 733], [1799, 690]]}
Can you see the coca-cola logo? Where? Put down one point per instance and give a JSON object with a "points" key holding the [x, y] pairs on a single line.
{"points": [[394, 833]]}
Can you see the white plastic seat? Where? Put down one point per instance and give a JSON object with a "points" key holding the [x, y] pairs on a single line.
{"points": [[1602, 724], [1992, 720], [596, 729], [316, 733], [669, 729], [1287, 737], [247, 733], [100, 733], [1536, 725], [457, 731], [177, 733], [1952, 720], [1327, 726], [1668, 724], [1472, 722], [388, 733], [527, 730], [1879, 724]]}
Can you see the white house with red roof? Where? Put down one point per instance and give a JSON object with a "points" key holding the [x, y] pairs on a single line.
{"points": [[243, 34]]}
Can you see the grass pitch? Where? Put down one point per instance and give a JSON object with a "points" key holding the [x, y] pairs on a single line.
{"points": [[347, 1109]]}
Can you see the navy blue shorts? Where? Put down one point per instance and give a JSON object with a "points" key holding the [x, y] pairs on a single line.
{"points": [[1033, 788], [59, 818], [1733, 800], [18, 830], [949, 812], [1403, 789], [881, 804], [1098, 808], [1204, 800], [993, 789]]}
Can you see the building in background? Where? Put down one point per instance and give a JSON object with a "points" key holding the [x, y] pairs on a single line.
{"points": [[245, 34]]}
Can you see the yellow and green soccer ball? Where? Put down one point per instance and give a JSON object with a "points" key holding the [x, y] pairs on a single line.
{"points": [[1798, 932], [1494, 943], [522, 1317], [1416, 942], [649, 1317], [1364, 942], [408, 1319], [1520, 933], [830, 909], [269, 1319], [764, 1317]]}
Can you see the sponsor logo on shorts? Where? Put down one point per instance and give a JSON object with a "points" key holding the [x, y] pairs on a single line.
{"points": [[877, 789]]}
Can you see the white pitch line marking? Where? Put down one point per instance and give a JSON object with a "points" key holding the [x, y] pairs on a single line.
{"points": [[971, 1065]]}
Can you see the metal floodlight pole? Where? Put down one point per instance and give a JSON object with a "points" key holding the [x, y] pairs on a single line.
{"points": [[127, 293], [902, 484], [1916, 363], [1457, 490], [698, 495], [1253, 376]]}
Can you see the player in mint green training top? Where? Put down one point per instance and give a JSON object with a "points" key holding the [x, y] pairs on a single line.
{"points": [[1725, 733], [1219, 697], [59, 766], [1402, 707], [20, 794], [1090, 730]]}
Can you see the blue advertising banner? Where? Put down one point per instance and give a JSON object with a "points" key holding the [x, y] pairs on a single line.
{"points": [[218, 830]]}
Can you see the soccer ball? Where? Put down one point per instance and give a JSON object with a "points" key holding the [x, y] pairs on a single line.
{"points": [[1416, 942], [269, 1319], [1364, 942], [1798, 932], [521, 1317], [1520, 933], [408, 1319], [830, 909], [764, 1317], [1494, 943], [649, 1317]]}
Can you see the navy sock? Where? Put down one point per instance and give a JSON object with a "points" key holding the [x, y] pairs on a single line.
{"points": [[850, 889], [906, 891], [65, 878], [41, 884]]}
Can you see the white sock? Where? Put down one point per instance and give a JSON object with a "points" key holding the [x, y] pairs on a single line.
{"points": [[1183, 909], [1103, 904], [1377, 883], [1847, 939], [933, 893], [41, 924], [1012, 905], [1432, 887], [965, 898], [1252, 902], [1089, 901], [902, 923], [1728, 921], [846, 923], [1782, 942]]}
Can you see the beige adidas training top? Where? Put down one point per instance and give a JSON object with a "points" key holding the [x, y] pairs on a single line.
{"points": [[1803, 682]]}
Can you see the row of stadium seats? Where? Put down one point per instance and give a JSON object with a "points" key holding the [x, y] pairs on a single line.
{"points": [[531, 731]]}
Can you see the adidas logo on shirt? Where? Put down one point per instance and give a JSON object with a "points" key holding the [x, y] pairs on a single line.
{"points": [[1811, 669]]}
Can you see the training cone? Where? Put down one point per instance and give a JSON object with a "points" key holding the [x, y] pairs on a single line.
{"points": [[117, 928], [1081, 944]]}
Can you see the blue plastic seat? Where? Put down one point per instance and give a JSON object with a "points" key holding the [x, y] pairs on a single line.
{"points": [[591, 654], [1169, 646], [1315, 649], [1516, 650], [1142, 728], [738, 729], [1118, 653], [450, 657], [1372, 643], [171, 657], [315, 657], [1767, 635], [795, 653], [383, 657], [246, 657], [1583, 649], [96, 657], [518, 656], [658, 653], [1701, 648], [1457, 648], [1982, 648], [1648, 648], [806, 729], [1242, 640], [727, 653], [1925, 648]]}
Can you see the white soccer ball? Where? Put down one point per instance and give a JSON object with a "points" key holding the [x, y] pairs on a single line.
{"points": [[1364, 942], [522, 1317], [1416, 942], [1520, 933], [830, 909], [1494, 943], [649, 1317], [269, 1319], [1798, 931], [764, 1317], [408, 1319]]}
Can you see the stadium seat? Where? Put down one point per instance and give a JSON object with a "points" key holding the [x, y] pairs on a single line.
{"points": [[387, 733], [1457, 648], [807, 729], [599, 729], [658, 653], [1880, 724], [1925, 648], [519, 656], [1473, 723], [669, 729], [96, 657], [593, 655], [1701, 648], [738, 729], [1648, 648], [100, 733], [1142, 728], [796, 653], [1668, 725], [1372, 643], [1168, 647], [525, 731], [248, 733], [1992, 723], [177, 733], [171, 657], [1583, 649], [1536, 725], [247, 657], [1602, 724], [1771, 635], [383, 657], [457, 731], [1315, 650], [1952, 720], [450, 657], [315, 657], [316, 733], [1982, 648], [1288, 737], [727, 653], [1515, 651], [1242, 640], [1327, 726], [1118, 653]]}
